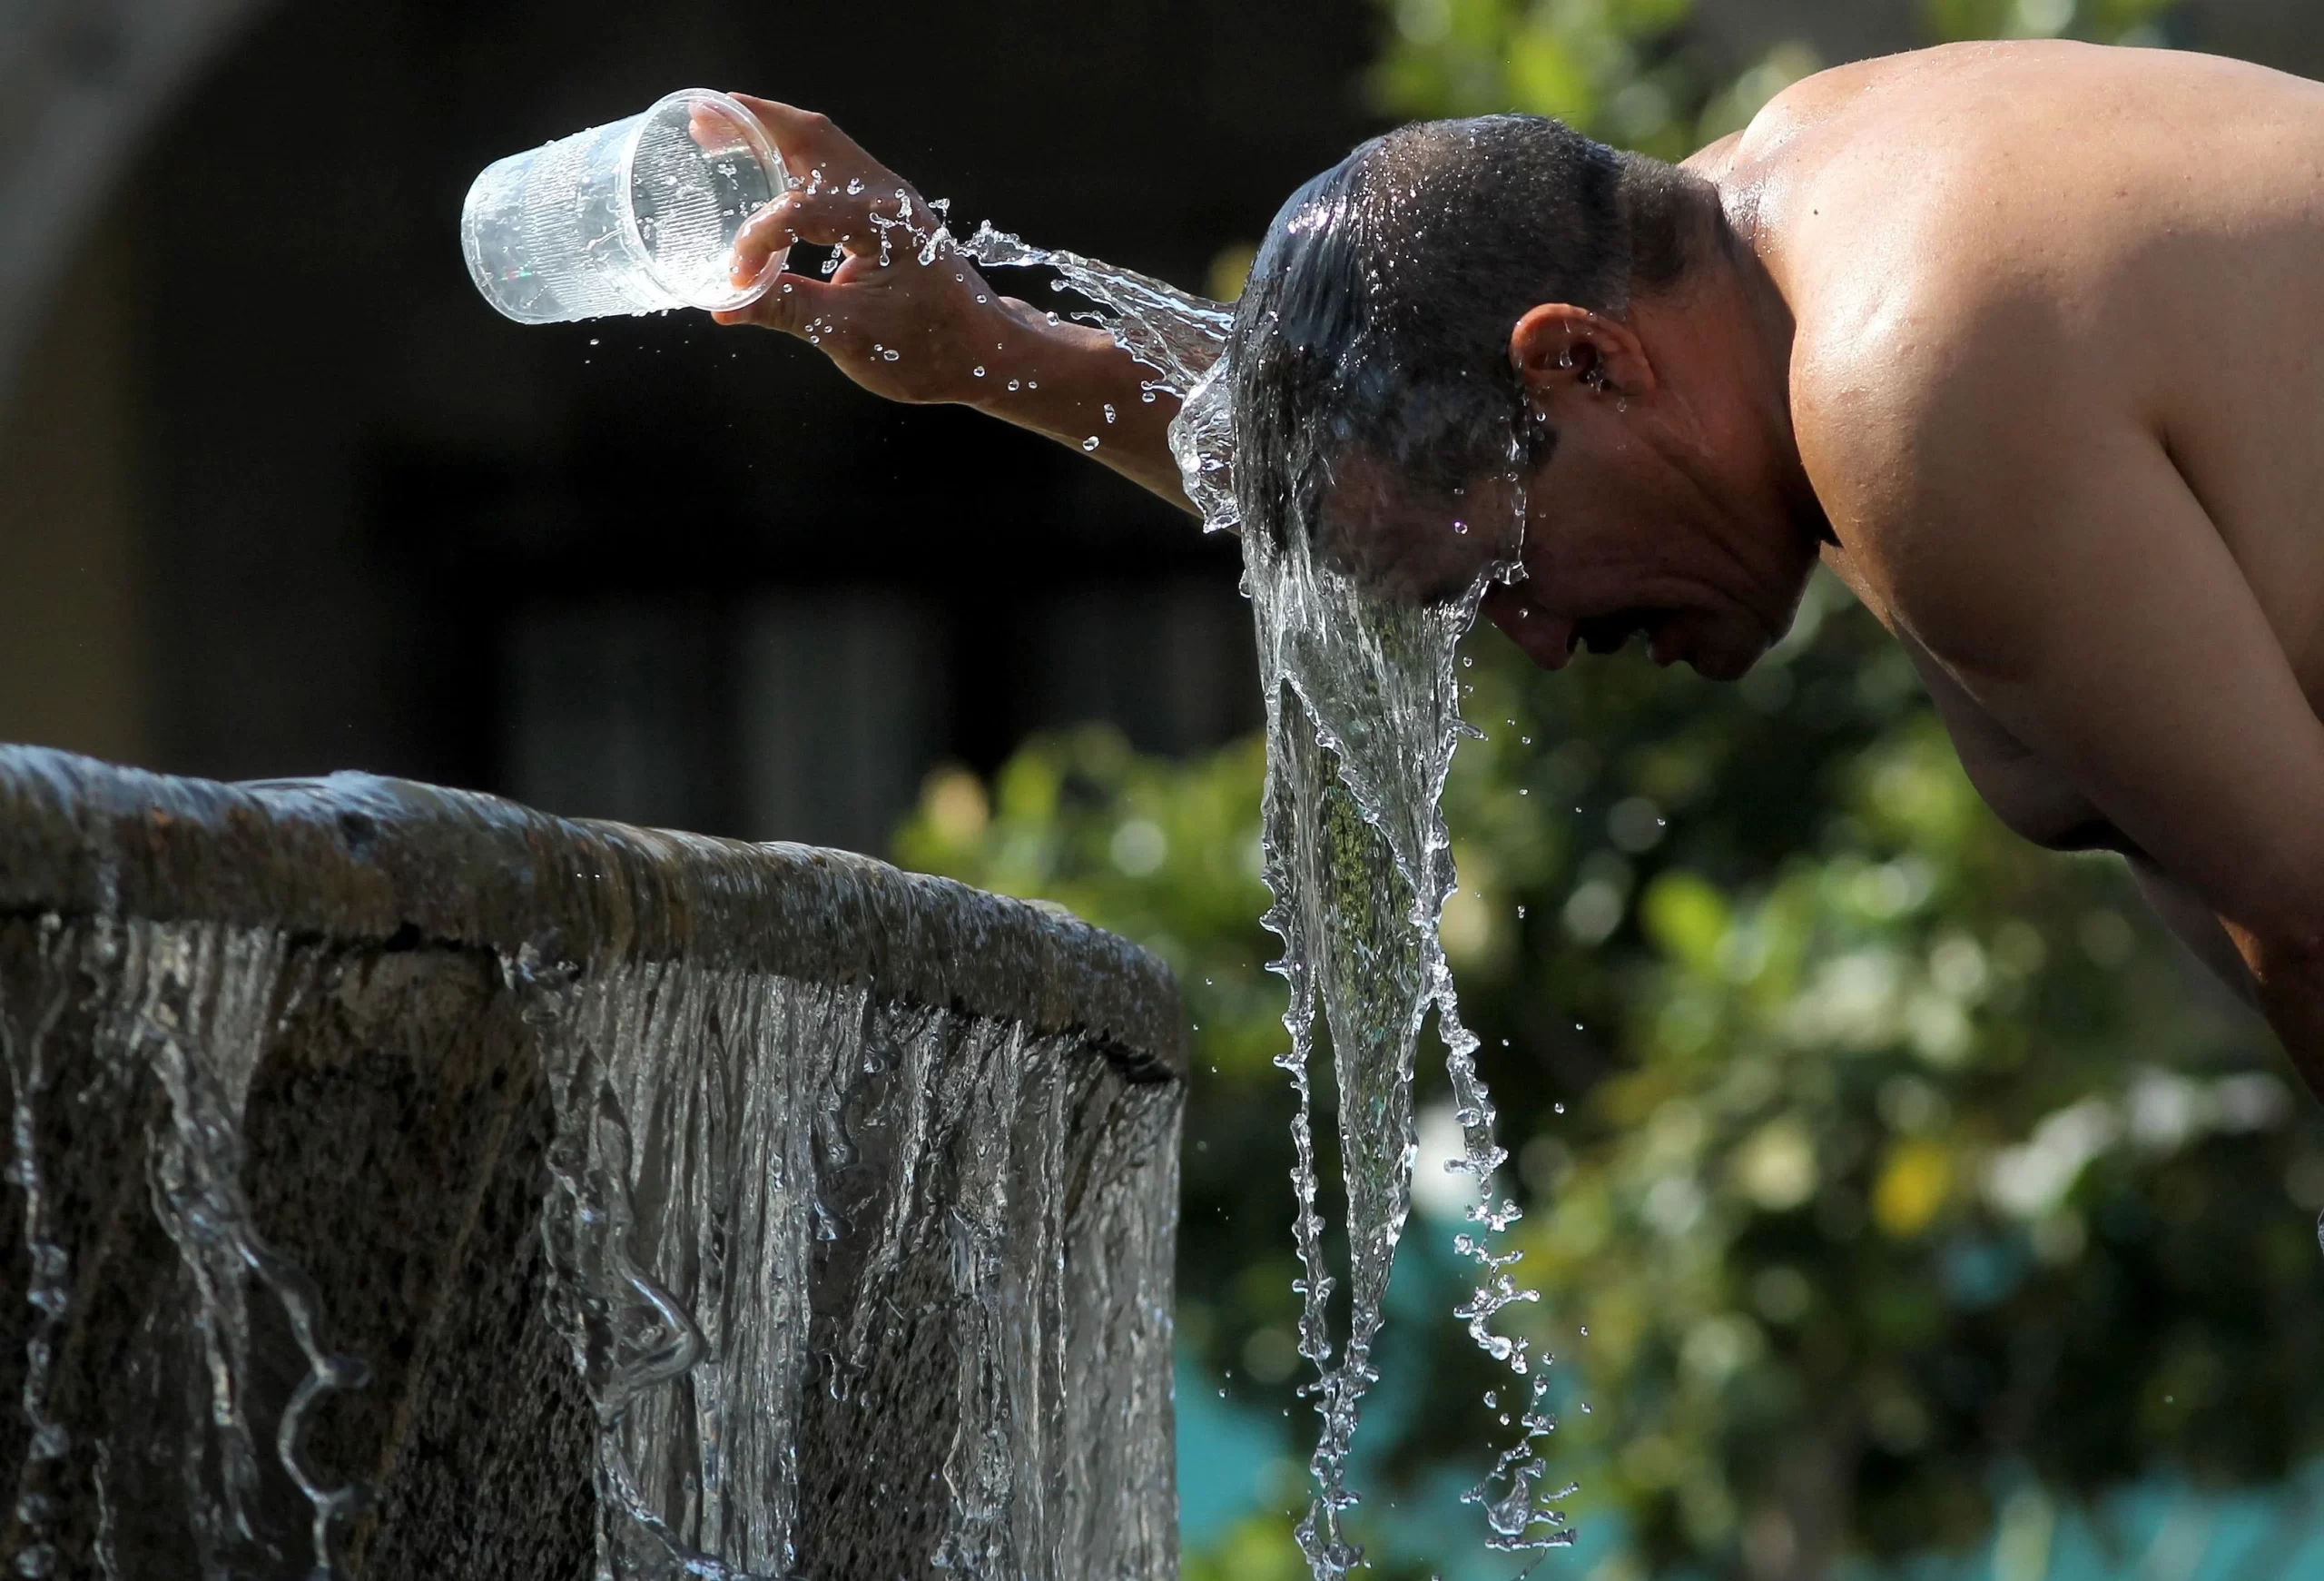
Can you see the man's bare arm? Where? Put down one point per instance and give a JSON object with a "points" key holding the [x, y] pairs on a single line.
{"points": [[936, 331]]}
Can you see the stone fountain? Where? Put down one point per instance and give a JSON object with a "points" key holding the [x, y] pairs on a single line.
{"points": [[405, 1183]]}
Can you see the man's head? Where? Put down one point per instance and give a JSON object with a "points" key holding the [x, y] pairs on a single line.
{"points": [[1465, 323]]}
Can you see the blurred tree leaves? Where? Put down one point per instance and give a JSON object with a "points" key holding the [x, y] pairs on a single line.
{"points": [[1873, 1159], [1634, 72]]}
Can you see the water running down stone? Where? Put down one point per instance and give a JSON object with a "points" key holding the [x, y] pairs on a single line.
{"points": [[850, 1195]]}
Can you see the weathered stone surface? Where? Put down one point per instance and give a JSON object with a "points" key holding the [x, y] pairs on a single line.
{"points": [[396, 1133], [358, 858]]}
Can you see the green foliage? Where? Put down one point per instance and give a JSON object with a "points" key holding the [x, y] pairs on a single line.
{"points": [[2102, 20], [1608, 66], [1633, 73]]}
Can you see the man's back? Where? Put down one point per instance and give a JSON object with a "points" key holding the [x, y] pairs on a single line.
{"points": [[2071, 241], [2058, 380]]}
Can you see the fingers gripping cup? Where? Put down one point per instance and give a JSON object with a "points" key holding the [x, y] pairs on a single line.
{"points": [[634, 217]]}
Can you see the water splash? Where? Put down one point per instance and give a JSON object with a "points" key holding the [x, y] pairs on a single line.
{"points": [[1174, 333], [1363, 717], [1362, 720]]}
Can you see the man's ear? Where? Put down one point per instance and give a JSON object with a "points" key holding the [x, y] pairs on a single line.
{"points": [[1557, 348]]}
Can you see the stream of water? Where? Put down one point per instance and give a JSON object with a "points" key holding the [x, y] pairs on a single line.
{"points": [[1363, 717]]}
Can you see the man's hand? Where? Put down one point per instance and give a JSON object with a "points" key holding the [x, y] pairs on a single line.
{"points": [[907, 316]]}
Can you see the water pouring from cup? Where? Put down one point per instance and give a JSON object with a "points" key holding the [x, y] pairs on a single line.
{"points": [[637, 216]]}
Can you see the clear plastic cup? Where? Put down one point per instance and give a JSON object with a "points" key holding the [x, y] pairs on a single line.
{"points": [[634, 217]]}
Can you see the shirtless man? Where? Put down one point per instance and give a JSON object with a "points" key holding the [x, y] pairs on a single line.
{"points": [[2026, 340]]}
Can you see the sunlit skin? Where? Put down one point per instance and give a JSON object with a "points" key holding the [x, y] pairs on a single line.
{"points": [[1673, 503], [2026, 340]]}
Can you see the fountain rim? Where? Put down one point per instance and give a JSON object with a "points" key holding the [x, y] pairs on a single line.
{"points": [[360, 858]]}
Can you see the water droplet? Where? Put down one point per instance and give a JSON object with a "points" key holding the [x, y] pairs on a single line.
{"points": [[891, 355], [978, 370], [1088, 444]]}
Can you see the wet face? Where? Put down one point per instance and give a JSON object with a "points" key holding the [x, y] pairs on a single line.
{"points": [[1619, 540], [1671, 507], [1621, 546], [1413, 545]]}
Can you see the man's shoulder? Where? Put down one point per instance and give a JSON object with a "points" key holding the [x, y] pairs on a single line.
{"points": [[1896, 369], [1934, 408]]}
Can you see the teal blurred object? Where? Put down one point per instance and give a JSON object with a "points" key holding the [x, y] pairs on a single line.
{"points": [[1226, 1453]]}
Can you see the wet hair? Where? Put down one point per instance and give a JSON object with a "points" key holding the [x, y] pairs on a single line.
{"points": [[1378, 312]]}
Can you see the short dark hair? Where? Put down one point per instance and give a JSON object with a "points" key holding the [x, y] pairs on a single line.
{"points": [[1378, 312]]}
